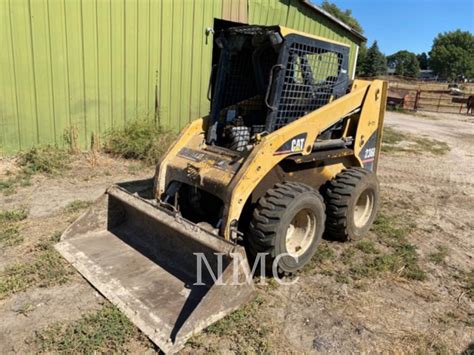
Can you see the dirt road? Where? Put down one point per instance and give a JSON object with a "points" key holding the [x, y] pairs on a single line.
{"points": [[409, 286]]}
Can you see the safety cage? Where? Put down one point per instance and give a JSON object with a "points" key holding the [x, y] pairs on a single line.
{"points": [[264, 81]]}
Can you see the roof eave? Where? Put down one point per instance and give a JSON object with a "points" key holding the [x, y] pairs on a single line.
{"points": [[334, 19]]}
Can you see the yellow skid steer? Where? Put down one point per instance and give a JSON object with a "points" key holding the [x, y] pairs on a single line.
{"points": [[288, 153]]}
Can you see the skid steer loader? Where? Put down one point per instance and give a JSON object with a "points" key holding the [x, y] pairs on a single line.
{"points": [[288, 152]]}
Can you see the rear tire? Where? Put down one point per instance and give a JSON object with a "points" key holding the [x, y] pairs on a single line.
{"points": [[352, 201], [289, 219]]}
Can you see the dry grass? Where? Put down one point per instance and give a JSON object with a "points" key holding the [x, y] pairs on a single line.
{"points": [[249, 333], [9, 230], [47, 268], [107, 330], [394, 141], [77, 206]]}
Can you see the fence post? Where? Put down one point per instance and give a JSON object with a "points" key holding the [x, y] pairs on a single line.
{"points": [[417, 97]]}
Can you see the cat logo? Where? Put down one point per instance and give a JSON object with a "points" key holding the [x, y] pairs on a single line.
{"points": [[293, 145], [297, 145]]}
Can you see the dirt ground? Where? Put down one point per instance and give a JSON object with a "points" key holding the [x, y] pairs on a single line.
{"points": [[334, 307]]}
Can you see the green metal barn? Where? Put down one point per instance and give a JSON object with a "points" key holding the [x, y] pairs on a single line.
{"points": [[96, 64]]}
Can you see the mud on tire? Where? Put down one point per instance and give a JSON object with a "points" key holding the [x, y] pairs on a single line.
{"points": [[290, 218]]}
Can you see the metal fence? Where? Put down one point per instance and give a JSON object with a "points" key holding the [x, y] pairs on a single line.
{"points": [[436, 101]]}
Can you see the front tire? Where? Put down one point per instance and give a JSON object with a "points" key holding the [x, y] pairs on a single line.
{"points": [[352, 201], [288, 220]]}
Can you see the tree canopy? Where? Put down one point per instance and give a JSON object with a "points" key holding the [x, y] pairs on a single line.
{"points": [[404, 63], [452, 54], [424, 60], [343, 15], [374, 63]]}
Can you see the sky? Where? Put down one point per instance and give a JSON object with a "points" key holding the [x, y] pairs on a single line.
{"points": [[409, 24]]}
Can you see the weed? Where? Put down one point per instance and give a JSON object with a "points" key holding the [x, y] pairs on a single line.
{"points": [[439, 255], [391, 136], [467, 283], [430, 145], [8, 186], [56, 237], [46, 270], [9, 232], [76, 206], [392, 140], [384, 226], [367, 247], [402, 261], [48, 160], [13, 215], [245, 327], [141, 139], [427, 344], [10, 236], [348, 255], [343, 279], [107, 330], [323, 253], [70, 137]]}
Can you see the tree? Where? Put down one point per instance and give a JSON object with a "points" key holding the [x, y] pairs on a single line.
{"points": [[361, 57], [452, 54], [404, 63], [375, 63], [344, 16], [423, 60]]}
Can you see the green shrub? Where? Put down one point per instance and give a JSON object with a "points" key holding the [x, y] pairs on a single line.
{"points": [[141, 139], [47, 159]]}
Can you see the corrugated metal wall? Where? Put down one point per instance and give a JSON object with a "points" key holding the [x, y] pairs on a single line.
{"points": [[96, 64]]}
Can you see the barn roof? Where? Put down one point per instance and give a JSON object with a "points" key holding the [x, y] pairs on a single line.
{"points": [[340, 23]]}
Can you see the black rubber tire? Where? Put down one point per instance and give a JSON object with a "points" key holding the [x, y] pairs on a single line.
{"points": [[341, 195], [271, 218]]}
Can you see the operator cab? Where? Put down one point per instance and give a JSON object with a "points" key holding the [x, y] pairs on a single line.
{"points": [[265, 80]]}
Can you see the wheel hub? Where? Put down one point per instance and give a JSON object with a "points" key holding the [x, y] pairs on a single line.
{"points": [[300, 232], [363, 208]]}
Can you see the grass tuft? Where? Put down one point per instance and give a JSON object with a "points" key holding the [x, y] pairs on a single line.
{"points": [[467, 279], [10, 236], [13, 216], [47, 269], [107, 330], [402, 259], [439, 255], [76, 206], [385, 226], [367, 247], [141, 139], [393, 142], [324, 253], [47, 159], [248, 332], [9, 231]]}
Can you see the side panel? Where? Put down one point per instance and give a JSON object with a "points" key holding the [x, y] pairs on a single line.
{"points": [[369, 130]]}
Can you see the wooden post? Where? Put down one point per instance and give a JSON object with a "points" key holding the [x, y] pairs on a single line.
{"points": [[417, 97]]}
